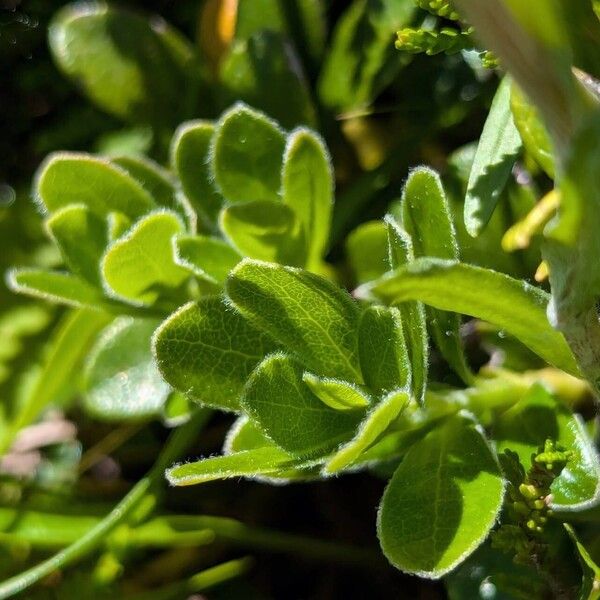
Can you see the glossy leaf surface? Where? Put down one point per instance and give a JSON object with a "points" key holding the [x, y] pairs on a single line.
{"points": [[121, 379]]}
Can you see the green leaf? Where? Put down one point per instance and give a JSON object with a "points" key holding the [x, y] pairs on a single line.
{"points": [[121, 380], [307, 188], [539, 416], [570, 248], [376, 422], [362, 59], [515, 306], [427, 219], [82, 238], [248, 463], [176, 410], [590, 585], [207, 257], [58, 377], [118, 224], [442, 501], [412, 313], [304, 312], [207, 351], [136, 68], [266, 231], [303, 21], [55, 286], [247, 151], [288, 413], [244, 435], [190, 160], [140, 264], [265, 72], [382, 349], [367, 250], [159, 183], [73, 178], [497, 152], [336, 393], [534, 134]]}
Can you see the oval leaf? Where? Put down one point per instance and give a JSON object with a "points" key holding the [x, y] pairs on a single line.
{"points": [[307, 188], [266, 231], [337, 394], [313, 318], [427, 219], [247, 154], [190, 160], [288, 413], [207, 351], [136, 68], [442, 501], [121, 378], [75, 178]]}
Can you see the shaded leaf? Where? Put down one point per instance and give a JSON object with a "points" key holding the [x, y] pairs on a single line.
{"points": [[190, 160], [264, 71], [442, 501], [288, 413], [266, 231], [159, 183], [307, 188], [427, 219], [489, 571], [590, 584], [247, 154], [304, 312], [362, 59], [496, 154], [207, 257], [82, 238], [413, 313], [368, 251], [538, 417], [136, 68], [382, 349]]}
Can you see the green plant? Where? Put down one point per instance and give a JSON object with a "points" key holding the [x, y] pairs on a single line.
{"points": [[207, 285]]}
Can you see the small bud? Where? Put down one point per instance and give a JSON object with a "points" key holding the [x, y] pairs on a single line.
{"points": [[531, 492]]}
